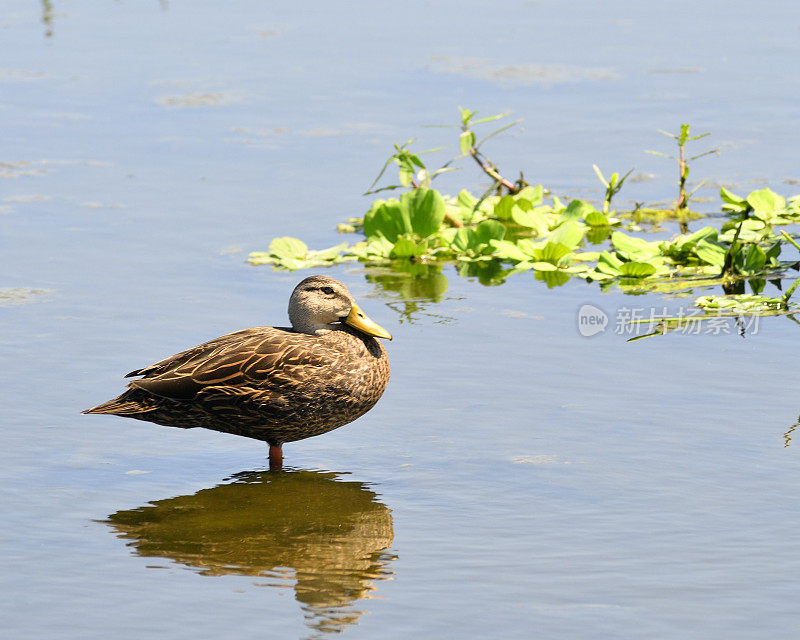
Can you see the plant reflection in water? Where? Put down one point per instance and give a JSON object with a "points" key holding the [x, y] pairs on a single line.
{"points": [[413, 288]]}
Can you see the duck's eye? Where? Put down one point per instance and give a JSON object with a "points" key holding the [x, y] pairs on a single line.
{"points": [[327, 290]]}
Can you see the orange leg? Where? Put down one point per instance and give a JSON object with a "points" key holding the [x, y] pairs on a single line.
{"points": [[275, 457]]}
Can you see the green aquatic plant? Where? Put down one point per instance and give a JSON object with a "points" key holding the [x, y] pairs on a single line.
{"points": [[787, 437], [412, 171], [469, 147], [682, 203], [741, 303], [790, 291], [291, 254], [514, 227], [612, 185]]}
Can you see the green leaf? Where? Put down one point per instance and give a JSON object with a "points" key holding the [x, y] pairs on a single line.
{"points": [[765, 202], [464, 240], [447, 234], [609, 263], [405, 175], [502, 210], [569, 234], [772, 254], [544, 266], [522, 266], [414, 159], [752, 230], [600, 175], [489, 230], [577, 268], [634, 248], [380, 247], [406, 247], [706, 233], [578, 209], [490, 118], [711, 253], [636, 269], [466, 201], [522, 203], [506, 250], [286, 247], [552, 252], [681, 248], [732, 199], [754, 260], [531, 219], [385, 219], [534, 195], [467, 141], [424, 209], [596, 219]]}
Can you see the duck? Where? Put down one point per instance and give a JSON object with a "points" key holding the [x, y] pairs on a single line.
{"points": [[274, 384]]}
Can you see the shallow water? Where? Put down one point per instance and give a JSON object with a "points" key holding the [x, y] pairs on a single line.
{"points": [[516, 478]]}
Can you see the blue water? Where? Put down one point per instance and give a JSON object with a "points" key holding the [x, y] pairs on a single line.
{"points": [[536, 482]]}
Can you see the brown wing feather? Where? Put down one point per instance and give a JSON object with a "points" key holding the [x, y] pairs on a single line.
{"points": [[261, 358], [200, 351]]}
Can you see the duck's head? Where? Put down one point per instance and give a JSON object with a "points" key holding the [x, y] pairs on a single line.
{"points": [[318, 303]]}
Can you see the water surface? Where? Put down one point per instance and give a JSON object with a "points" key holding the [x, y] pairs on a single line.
{"points": [[516, 478]]}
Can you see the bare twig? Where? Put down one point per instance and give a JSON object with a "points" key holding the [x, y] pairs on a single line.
{"points": [[452, 221], [490, 169]]}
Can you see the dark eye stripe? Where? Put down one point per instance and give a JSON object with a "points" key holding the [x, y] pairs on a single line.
{"points": [[326, 290]]}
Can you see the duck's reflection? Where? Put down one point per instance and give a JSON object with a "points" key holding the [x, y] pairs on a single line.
{"points": [[330, 535]]}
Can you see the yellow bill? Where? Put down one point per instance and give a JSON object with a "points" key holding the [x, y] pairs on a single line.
{"points": [[359, 320]]}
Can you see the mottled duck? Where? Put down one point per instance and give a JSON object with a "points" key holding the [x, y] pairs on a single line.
{"points": [[275, 384]]}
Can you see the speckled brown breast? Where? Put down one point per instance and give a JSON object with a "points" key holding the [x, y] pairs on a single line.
{"points": [[267, 383]]}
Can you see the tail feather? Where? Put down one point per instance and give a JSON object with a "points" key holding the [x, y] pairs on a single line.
{"points": [[131, 402]]}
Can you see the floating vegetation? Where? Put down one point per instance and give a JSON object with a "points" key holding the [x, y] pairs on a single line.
{"points": [[22, 295], [207, 99], [515, 227], [519, 75], [742, 303], [291, 253], [682, 203], [787, 437]]}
